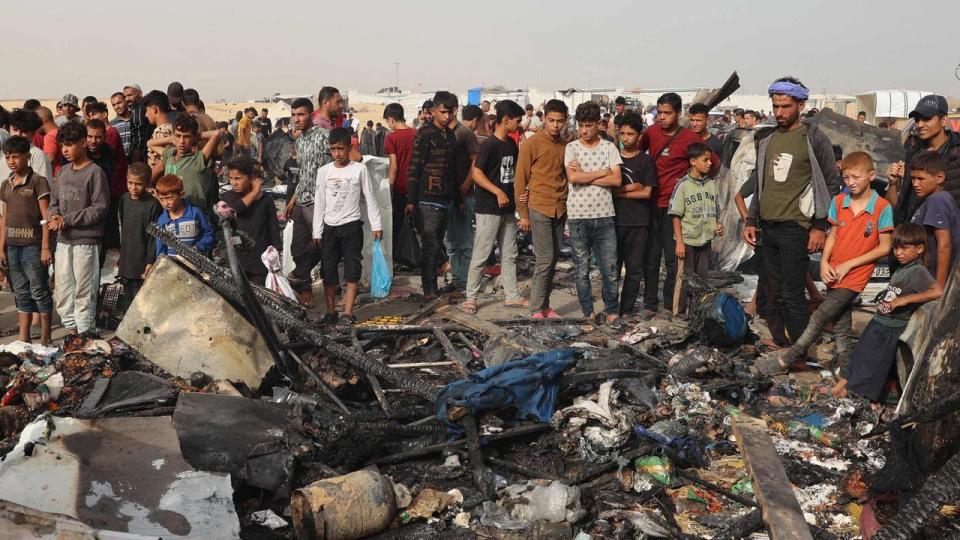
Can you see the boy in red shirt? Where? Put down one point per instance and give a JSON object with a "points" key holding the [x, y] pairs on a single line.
{"points": [[667, 143], [861, 232], [398, 145]]}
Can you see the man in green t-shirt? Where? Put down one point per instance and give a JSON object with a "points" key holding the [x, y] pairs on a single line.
{"points": [[796, 177]]}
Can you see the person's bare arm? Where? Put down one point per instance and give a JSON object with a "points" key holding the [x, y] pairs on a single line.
{"points": [[3, 240], [612, 178], [741, 205], [827, 272], [633, 191], [160, 142], [392, 170], [46, 256], [944, 254], [681, 250], [933, 293], [480, 178], [576, 176], [213, 140]]}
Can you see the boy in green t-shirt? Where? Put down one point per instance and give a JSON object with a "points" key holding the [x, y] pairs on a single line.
{"points": [[194, 167], [694, 208]]}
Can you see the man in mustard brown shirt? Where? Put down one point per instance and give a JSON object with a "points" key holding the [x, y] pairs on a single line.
{"points": [[541, 194]]}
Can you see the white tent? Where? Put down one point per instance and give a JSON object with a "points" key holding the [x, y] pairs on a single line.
{"points": [[280, 109], [889, 103]]}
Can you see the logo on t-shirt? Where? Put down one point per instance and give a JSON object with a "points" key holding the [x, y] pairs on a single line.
{"points": [[889, 295], [507, 168], [781, 166]]}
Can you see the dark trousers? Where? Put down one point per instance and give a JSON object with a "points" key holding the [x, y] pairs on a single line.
{"points": [[696, 261], [432, 225], [660, 244], [872, 359], [786, 260], [631, 254], [399, 202], [305, 255]]}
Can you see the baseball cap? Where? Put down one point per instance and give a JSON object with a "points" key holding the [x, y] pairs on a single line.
{"points": [[69, 99], [930, 106], [175, 93]]}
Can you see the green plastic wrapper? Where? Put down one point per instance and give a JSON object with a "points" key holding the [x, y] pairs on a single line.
{"points": [[659, 468]]}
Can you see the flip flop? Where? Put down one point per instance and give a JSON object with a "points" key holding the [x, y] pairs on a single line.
{"points": [[519, 303], [769, 365], [469, 307]]}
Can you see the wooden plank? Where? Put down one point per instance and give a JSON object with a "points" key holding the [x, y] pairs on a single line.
{"points": [[490, 329], [781, 511], [451, 351], [427, 309]]}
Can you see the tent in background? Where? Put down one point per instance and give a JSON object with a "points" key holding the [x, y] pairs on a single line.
{"points": [[889, 105]]}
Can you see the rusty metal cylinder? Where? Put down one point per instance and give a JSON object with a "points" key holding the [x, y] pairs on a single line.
{"points": [[354, 505]]}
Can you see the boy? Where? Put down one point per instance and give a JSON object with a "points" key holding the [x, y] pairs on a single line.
{"points": [[179, 157], [593, 168], [256, 216], [632, 201], [493, 174], [860, 234], [938, 214], [256, 143], [910, 287], [181, 218], [24, 241], [694, 209], [245, 131], [79, 203], [398, 146], [27, 124], [459, 240], [541, 195], [431, 186], [156, 108], [337, 228], [137, 208]]}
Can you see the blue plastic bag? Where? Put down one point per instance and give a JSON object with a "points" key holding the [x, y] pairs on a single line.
{"points": [[380, 279]]}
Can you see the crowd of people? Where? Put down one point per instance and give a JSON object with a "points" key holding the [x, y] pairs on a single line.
{"points": [[634, 190]]}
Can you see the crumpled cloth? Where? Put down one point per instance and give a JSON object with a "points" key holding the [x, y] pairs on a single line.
{"points": [[276, 281], [528, 384]]}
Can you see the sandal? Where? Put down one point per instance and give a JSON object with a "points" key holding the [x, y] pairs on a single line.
{"points": [[769, 365], [518, 303], [469, 307]]}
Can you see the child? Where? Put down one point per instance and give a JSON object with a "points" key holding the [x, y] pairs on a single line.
{"points": [[938, 214], [432, 188], [194, 168], [694, 208], [541, 195], [24, 241], [593, 167], [860, 234], [910, 287], [256, 215], [79, 202], [337, 228], [632, 201], [181, 218], [137, 209], [398, 146], [256, 143], [493, 175]]}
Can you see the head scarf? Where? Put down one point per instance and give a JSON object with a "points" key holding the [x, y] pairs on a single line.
{"points": [[787, 88]]}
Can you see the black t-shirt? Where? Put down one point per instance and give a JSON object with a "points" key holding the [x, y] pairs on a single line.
{"points": [[137, 247], [259, 220], [639, 169], [291, 175], [498, 160]]}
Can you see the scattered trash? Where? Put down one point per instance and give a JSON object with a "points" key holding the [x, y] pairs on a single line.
{"points": [[344, 507], [268, 519]]}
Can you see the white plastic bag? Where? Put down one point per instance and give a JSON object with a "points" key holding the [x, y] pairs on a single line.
{"points": [[276, 281]]}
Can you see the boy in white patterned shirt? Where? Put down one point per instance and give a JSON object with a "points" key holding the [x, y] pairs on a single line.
{"points": [[593, 168]]}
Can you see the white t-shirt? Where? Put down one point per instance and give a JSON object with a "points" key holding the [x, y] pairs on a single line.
{"points": [[586, 201], [337, 200]]}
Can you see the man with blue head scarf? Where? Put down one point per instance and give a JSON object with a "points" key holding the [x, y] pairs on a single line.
{"points": [[796, 177]]}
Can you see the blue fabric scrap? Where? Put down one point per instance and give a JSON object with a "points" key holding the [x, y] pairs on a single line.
{"points": [[528, 384]]}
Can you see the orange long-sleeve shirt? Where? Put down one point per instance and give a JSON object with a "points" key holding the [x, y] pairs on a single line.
{"points": [[540, 170]]}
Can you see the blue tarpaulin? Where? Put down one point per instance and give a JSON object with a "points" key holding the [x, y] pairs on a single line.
{"points": [[527, 384], [474, 95]]}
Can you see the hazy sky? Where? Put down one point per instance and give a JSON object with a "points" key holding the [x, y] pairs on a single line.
{"points": [[244, 49]]}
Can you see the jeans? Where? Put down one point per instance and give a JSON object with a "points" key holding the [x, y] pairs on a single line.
{"points": [[837, 307], [632, 254], [546, 233], [661, 244], [597, 236], [29, 279], [459, 240], [431, 222], [305, 255], [696, 261], [501, 230], [785, 258], [77, 271]]}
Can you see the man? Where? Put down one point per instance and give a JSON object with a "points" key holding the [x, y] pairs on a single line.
{"points": [[667, 143], [121, 122], [49, 128], [313, 152], [191, 104], [862, 117], [751, 119], [796, 178], [482, 131], [398, 146], [738, 117], [697, 115], [140, 128], [266, 126], [379, 136], [620, 106], [459, 240], [930, 135], [245, 131], [175, 97], [531, 123], [69, 107]]}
